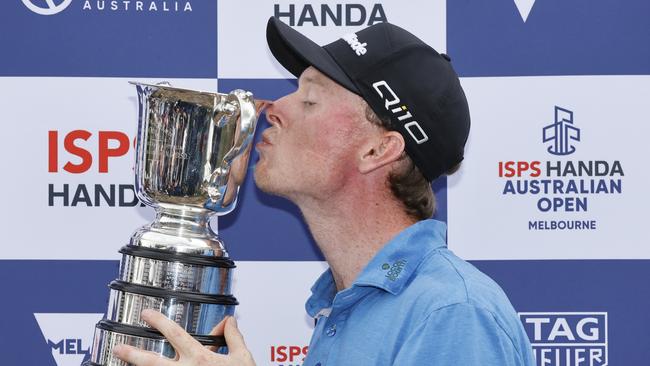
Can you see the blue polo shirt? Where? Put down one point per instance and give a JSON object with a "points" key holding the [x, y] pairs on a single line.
{"points": [[416, 303]]}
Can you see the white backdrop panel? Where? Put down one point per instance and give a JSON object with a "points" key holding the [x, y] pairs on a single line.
{"points": [[243, 52], [271, 311], [508, 118], [34, 106]]}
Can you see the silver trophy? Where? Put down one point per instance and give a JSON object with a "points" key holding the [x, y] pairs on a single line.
{"points": [[191, 157]]}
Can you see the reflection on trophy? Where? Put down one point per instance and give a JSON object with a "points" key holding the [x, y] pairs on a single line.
{"points": [[191, 157]]}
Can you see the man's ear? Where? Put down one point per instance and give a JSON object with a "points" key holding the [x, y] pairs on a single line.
{"points": [[381, 151]]}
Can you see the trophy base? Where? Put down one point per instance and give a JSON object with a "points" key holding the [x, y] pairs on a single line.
{"points": [[191, 289], [108, 334], [176, 271], [196, 313]]}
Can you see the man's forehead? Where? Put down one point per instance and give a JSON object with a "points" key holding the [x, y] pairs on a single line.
{"points": [[312, 75]]}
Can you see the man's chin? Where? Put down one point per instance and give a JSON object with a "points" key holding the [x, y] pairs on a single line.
{"points": [[262, 181], [267, 184]]}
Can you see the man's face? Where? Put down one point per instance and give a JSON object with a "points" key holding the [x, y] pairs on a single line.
{"points": [[314, 142]]}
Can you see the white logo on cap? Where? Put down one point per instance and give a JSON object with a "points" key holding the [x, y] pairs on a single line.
{"points": [[401, 112], [358, 47]]}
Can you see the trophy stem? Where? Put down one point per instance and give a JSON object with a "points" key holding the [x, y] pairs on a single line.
{"points": [[184, 222], [181, 229]]}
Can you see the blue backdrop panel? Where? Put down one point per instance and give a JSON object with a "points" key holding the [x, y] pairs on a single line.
{"points": [[583, 37], [47, 287], [77, 42], [610, 286], [533, 286]]}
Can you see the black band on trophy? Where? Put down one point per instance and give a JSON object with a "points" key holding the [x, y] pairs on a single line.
{"points": [[132, 330], [171, 294], [187, 258]]}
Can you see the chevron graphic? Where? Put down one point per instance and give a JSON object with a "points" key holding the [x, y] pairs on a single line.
{"points": [[68, 335], [524, 7]]}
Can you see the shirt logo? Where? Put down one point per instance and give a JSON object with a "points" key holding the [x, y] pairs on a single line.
{"points": [[358, 47], [394, 270]]}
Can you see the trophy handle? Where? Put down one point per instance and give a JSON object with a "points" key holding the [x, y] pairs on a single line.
{"points": [[243, 137]]}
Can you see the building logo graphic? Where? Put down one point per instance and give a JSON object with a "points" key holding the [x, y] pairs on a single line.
{"points": [[561, 133], [51, 7], [567, 338], [69, 335]]}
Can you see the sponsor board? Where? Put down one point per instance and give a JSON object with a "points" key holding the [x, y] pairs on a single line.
{"points": [[562, 185], [528, 37], [547, 175], [567, 338], [288, 355], [271, 314], [71, 157], [69, 335], [52, 8], [272, 296], [52, 324], [109, 38], [244, 23], [602, 318]]}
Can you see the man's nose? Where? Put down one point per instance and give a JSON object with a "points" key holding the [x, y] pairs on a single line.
{"points": [[273, 113]]}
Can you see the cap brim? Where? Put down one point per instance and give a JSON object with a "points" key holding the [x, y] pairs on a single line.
{"points": [[296, 53]]}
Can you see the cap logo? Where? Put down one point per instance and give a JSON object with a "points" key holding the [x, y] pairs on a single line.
{"points": [[391, 100], [358, 47]]}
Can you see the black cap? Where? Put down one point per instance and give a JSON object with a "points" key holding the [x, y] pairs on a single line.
{"points": [[399, 76]]}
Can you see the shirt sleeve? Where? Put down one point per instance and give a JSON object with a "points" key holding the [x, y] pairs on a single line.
{"points": [[459, 334]]}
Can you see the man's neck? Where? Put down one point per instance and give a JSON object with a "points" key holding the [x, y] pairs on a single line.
{"points": [[350, 231]]}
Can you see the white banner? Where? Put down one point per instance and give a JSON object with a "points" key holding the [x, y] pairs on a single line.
{"points": [[555, 168], [243, 51], [69, 166]]}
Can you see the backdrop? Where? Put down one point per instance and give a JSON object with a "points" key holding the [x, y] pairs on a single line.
{"points": [[551, 200]]}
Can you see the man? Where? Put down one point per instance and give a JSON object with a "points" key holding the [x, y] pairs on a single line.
{"points": [[377, 116]]}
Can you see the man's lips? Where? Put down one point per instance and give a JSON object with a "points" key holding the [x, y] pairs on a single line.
{"points": [[265, 142]]}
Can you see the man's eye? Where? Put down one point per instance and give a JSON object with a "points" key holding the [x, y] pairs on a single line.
{"points": [[308, 103]]}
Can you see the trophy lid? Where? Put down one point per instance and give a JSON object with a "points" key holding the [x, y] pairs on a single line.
{"points": [[164, 90]]}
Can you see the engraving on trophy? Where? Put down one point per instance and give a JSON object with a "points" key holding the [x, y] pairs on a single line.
{"points": [[192, 152]]}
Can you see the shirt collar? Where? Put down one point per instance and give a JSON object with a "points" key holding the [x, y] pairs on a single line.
{"points": [[391, 268], [322, 294]]}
